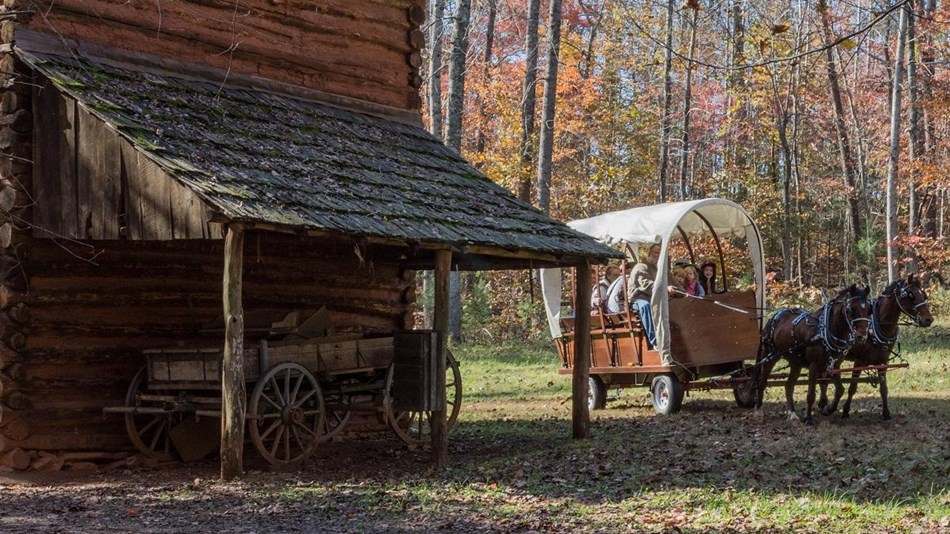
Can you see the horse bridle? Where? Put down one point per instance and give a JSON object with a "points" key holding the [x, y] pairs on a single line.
{"points": [[832, 342], [905, 292]]}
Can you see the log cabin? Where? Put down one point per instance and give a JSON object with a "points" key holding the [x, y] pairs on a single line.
{"points": [[145, 146]]}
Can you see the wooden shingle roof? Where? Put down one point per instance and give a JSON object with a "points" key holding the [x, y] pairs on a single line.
{"points": [[259, 157]]}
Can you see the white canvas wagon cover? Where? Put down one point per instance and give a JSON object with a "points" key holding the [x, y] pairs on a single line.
{"points": [[657, 224]]}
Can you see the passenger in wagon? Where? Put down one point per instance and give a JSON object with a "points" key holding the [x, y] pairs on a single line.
{"points": [[640, 290], [691, 282], [600, 292], [708, 278]]}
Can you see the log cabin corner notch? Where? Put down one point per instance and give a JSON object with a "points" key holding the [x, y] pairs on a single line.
{"points": [[144, 161]]}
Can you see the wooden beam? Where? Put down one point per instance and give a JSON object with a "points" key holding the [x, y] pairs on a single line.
{"points": [[440, 322], [580, 412], [233, 394]]}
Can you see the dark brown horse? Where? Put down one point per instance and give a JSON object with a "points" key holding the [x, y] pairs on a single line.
{"points": [[815, 340], [901, 297]]}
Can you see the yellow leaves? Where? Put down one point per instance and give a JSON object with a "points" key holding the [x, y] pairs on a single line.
{"points": [[693, 4], [780, 28], [848, 44]]}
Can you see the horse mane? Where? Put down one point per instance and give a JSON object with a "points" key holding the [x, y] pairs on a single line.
{"points": [[889, 290]]}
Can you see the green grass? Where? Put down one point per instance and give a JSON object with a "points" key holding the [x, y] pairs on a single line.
{"points": [[513, 466]]}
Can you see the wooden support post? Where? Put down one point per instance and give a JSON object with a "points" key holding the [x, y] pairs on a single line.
{"points": [[580, 385], [440, 323], [233, 394]]}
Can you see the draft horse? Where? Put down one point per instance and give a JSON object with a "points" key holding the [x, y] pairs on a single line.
{"points": [[815, 340], [901, 297]]}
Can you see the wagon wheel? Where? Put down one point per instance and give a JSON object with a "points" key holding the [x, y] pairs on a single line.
{"points": [[337, 413], [149, 432], [286, 414], [596, 393], [414, 428], [667, 392]]}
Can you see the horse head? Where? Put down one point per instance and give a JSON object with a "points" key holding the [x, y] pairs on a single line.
{"points": [[912, 300], [855, 309]]}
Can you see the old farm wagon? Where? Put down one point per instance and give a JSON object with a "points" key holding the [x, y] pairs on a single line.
{"points": [[302, 392], [150, 184], [696, 337]]}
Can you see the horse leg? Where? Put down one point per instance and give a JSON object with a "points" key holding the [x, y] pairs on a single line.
{"points": [[813, 373], [829, 409], [823, 396], [852, 389], [794, 371], [760, 376], [886, 414]]}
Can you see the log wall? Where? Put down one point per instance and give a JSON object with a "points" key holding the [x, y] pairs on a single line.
{"points": [[364, 49], [93, 310]]}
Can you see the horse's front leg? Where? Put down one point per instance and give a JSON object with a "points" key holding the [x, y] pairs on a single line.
{"points": [[852, 389], [885, 413], [829, 409], [794, 371], [814, 371]]}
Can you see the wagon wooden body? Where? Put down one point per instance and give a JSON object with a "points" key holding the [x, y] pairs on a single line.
{"points": [[302, 392]]}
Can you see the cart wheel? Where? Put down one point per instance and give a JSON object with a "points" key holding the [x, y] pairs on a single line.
{"points": [[286, 414], [744, 394], [596, 393], [413, 428], [337, 414], [149, 432], [667, 394]]}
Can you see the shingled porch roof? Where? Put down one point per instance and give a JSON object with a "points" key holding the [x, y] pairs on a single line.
{"points": [[260, 157]]}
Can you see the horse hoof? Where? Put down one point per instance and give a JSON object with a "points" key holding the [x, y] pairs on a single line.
{"points": [[792, 416], [758, 413], [809, 422], [887, 417]]}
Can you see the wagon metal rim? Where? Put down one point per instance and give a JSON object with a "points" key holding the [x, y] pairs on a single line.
{"points": [[149, 431]]}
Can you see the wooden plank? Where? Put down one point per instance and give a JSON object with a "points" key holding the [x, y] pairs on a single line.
{"points": [[440, 323], [155, 200], [232, 381], [98, 178], [69, 213], [47, 160], [133, 189], [580, 413]]}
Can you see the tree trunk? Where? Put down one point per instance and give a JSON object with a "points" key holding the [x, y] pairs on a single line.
{"points": [[453, 124], [687, 104], [528, 100], [435, 67], [453, 138], [233, 394], [844, 143], [486, 76], [915, 145], [667, 104], [892, 161], [546, 149]]}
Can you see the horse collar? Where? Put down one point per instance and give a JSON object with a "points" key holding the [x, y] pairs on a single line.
{"points": [[876, 330]]}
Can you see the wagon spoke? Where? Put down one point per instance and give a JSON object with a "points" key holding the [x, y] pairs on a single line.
{"points": [[276, 445], [304, 399], [305, 429], [271, 415], [312, 412], [298, 440], [287, 397], [299, 383], [270, 429], [273, 381], [144, 430], [271, 401], [287, 444], [158, 435]]}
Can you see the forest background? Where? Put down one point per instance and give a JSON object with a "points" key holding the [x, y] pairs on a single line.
{"points": [[828, 120]]}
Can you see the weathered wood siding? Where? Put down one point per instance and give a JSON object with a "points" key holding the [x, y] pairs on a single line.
{"points": [[365, 49], [90, 183], [90, 320]]}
